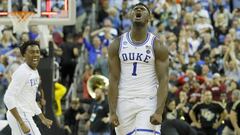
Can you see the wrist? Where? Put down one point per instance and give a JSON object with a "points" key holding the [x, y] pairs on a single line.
{"points": [[158, 112], [112, 112], [41, 116], [195, 122]]}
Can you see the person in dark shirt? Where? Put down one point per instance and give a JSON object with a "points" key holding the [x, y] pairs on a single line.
{"points": [[99, 120], [183, 107], [208, 115], [229, 129], [177, 127], [68, 60], [72, 117], [235, 117]]}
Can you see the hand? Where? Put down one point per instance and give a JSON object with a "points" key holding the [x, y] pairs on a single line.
{"points": [[24, 128], [114, 119], [68, 129], [47, 122], [43, 102], [237, 131], [105, 120], [180, 106], [196, 124], [216, 125], [87, 125], [78, 116], [156, 119]]}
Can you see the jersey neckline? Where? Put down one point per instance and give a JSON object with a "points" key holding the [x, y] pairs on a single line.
{"points": [[137, 44]]}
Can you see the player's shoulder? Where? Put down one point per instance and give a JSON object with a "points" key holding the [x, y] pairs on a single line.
{"points": [[21, 70], [198, 104], [161, 51], [114, 46], [236, 104], [217, 103]]}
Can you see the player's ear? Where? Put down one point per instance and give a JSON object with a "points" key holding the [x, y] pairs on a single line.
{"points": [[130, 14], [24, 55], [150, 17]]}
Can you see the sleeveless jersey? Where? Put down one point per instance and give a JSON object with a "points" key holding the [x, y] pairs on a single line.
{"points": [[138, 76]]}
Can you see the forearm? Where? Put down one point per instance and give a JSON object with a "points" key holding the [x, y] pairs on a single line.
{"points": [[37, 109], [162, 95], [113, 97], [222, 117], [41, 116], [193, 117], [234, 123], [185, 110], [16, 115], [96, 32], [233, 118]]}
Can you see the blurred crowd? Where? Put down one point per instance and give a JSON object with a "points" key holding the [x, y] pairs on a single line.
{"points": [[203, 38]]}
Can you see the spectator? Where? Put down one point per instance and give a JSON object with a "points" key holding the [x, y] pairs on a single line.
{"points": [[231, 68], [218, 88], [207, 116], [177, 127], [72, 117], [68, 61], [99, 120], [183, 107], [235, 118], [7, 41], [94, 49], [34, 32], [229, 129], [171, 112], [102, 62]]}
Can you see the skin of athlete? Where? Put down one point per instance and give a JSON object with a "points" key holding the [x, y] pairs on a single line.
{"points": [[140, 17]]}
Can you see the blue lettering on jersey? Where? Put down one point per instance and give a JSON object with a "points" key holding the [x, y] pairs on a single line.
{"points": [[34, 82], [136, 56], [139, 56], [147, 58], [131, 56]]}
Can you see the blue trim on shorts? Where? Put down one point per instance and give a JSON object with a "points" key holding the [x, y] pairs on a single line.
{"points": [[131, 132], [144, 130]]}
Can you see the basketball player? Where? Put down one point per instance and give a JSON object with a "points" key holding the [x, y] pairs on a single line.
{"points": [[20, 97], [138, 73]]}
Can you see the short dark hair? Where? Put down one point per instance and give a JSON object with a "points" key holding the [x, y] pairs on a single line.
{"points": [[141, 4], [25, 45]]}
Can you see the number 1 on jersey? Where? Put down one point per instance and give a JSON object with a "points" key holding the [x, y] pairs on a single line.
{"points": [[134, 69]]}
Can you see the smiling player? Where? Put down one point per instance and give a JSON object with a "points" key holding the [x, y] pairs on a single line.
{"points": [[20, 97]]}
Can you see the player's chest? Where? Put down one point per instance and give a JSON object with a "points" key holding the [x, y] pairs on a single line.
{"points": [[138, 54], [33, 81]]}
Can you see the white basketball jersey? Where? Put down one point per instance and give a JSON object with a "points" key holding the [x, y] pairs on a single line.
{"points": [[138, 76]]}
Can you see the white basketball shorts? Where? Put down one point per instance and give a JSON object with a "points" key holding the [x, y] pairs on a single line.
{"points": [[15, 127], [134, 116]]}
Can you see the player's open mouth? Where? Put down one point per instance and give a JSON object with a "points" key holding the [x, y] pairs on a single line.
{"points": [[35, 60], [138, 16]]}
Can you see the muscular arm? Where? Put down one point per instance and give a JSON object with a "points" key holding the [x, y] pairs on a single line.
{"points": [[161, 67], [114, 75], [193, 116], [233, 118]]}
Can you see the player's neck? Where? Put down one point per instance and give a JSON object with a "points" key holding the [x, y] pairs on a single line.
{"points": [[138, 34]]}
